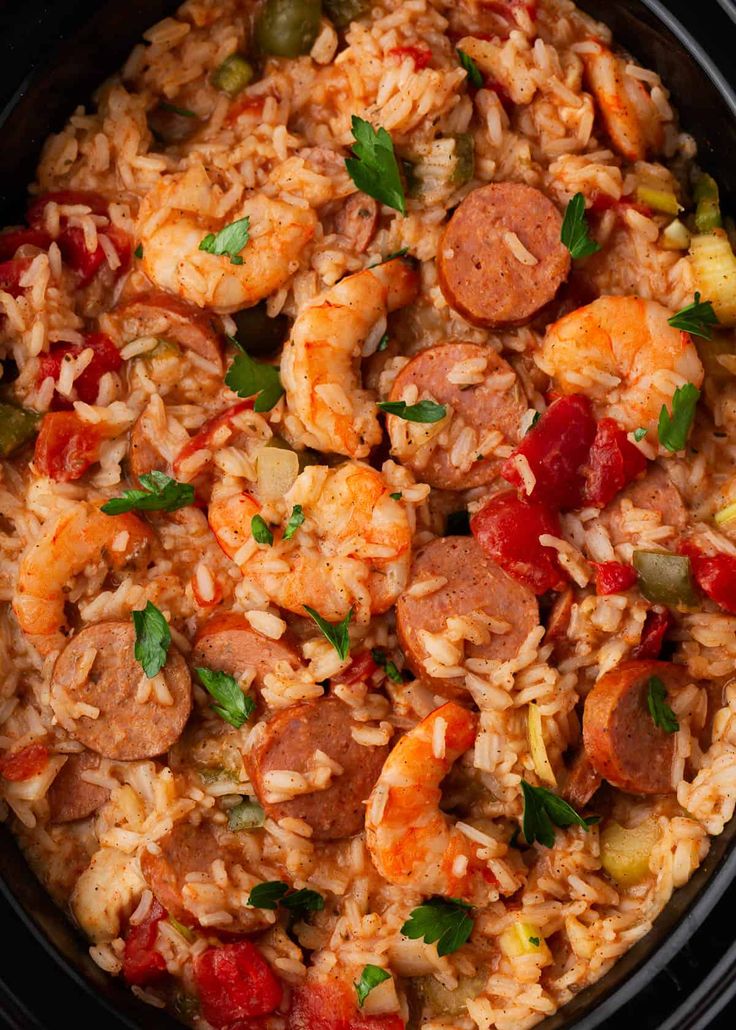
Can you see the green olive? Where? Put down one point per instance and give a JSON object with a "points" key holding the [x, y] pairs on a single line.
{"points": [[342, 12], [258, 333], [288, 28]]}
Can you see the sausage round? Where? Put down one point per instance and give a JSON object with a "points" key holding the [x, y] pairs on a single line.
{"points": [[71, 797], [227, 642], [621, 739], [156, 313], [473, 583], [655, 492], [582, 781], [288, 742], [125, 729], [143, 457], [483, 407], [480, 275]]}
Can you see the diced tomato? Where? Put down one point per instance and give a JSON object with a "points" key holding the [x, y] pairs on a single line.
{"points": [[421, 56], [655, 629], [556, 449], [715, 575], [235, 983], [106, 358], [611, 577], [94, 201], [66, 446], [10, 241], [86, 263], [600, 202], [11, 273], [361, 667], [142, 964], [203, 439], [24, 764], [613, 462], [508, 530], [331, 1005]]}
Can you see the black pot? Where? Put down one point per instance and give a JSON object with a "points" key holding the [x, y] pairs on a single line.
{"points": [[683, 974]]}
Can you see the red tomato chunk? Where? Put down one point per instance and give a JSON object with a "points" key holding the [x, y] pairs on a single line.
{"points": [[612, 463], [716, 577], [106, 358], [508, 529], [235, 983], [611, 577], [66, 446], [11, 273], [11, 241], [24, 764], [331, 1005], [421, 56], [142, 964], [655, 629]]}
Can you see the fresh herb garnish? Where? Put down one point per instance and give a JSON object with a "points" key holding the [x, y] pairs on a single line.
{"points": [[152, 639], [275, 892], [382, 345], [371, 977], [302, 901], [232, 704], [445, 920], [574, 234], [160, 493], [295, 521], [397, 496], [535, 941], [661, 713], [260, 531], [139, 251], [474, 76], [183, 111], [673, 429], [229, 241], [535, 418], [384, 662], [249, 378], [182, 930], [374, 168], [422, 411], [640, 433], [336, 633], [542, 809], [697, 319]]}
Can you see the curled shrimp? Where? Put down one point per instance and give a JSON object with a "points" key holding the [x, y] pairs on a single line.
{"points": [[411, 841], [629, 114], [183, 208], [351, 551], [624, 355], [320, 365], [81, 536]]}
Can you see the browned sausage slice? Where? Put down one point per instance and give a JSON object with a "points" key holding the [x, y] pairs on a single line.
{"points": [[143, 457], [500, 259], [71, 797], [289, 740], [473, 583], [227, 642], [655, 492], [453, 459], [156, 313], [125, 728], [357, 219], [191, 849], [582, 781], [622, 741]]}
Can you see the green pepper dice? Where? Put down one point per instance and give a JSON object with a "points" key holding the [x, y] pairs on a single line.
{"points": [[665, 578], [17, 426]]}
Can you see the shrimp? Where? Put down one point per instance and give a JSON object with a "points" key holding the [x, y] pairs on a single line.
{"points": [[81, 536], [411, 841], [320, 365], [632, 120], [182, 209], [624, 355], [353, 549]]}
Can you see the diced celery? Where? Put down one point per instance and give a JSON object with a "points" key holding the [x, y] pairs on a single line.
{"points": [[714, 270], [625, 852], [248, 815], [708, 209], [537, 747], [675, 236], [665, 578], [659, 200]]}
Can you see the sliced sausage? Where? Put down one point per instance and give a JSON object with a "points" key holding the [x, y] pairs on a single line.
{"points": [[473, 583], [655, 492], [156, 313], [357, 219], [483, 273], [71, 797], [289, 740], [191, 849], [125, 729], [582, 781], [143, 457], [228, 643], [492, 404], [622, 741]]}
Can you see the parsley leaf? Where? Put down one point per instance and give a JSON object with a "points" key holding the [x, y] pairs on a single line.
{"points": [[374, 168], [673, 429], [139, 251], [275, 892], [336, 633], [260, 531], [574, 232], [390, 257], [397, 496], [295, 521], [696, 319], [639, 434], [445, 920], [382, 343], [542, 809], [232, 704], [152, 639], [160, 493], [475, 79], [183, 111], [302, 901], [267, 895], [661, 713], [384, 662], [228, 241], [371, 977], [249, 378], [422, 411], [534, 941]]}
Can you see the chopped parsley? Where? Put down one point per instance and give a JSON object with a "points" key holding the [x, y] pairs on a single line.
{"points": [[639, 434], [574, 233], [397, 496], [295, 521], [475, 79], [422, 411], [139, 251], [371, 977], [535, 941], [275, 892], [382, 345], [159, 493], [336, 633], [184, 112], [250, 378], [228, 241], [152, 639], [697, 319], [373, 166], [661, 713], [444, 920], [232, 704], [260, 531], [543, 810], [384, 662], [673, 429]]}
